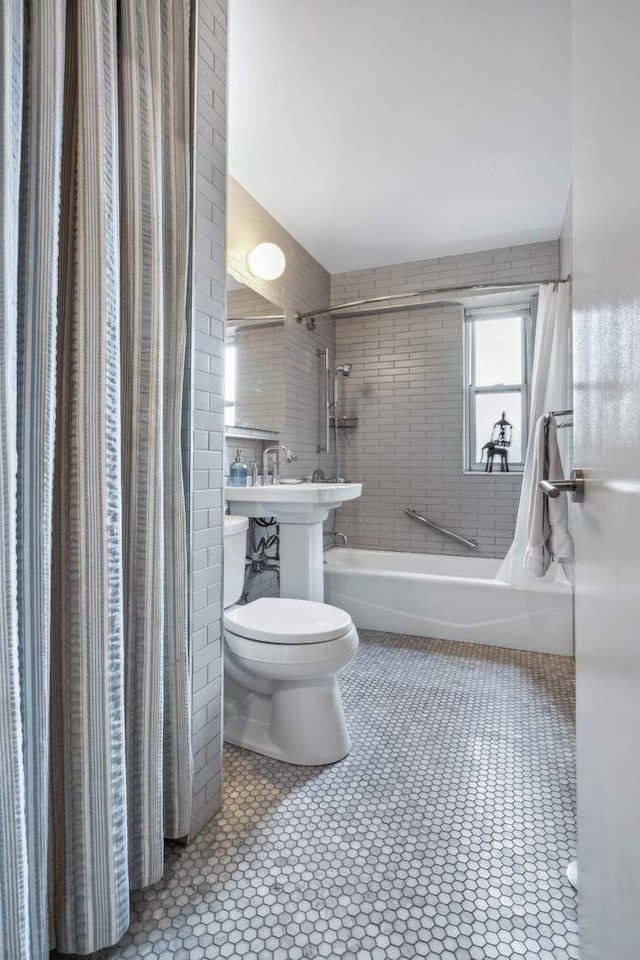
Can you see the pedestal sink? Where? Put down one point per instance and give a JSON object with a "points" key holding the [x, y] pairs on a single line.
{"points": [[300, 510]]}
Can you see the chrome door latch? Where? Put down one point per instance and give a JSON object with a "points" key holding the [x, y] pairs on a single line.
{"points": [[574, 485]]}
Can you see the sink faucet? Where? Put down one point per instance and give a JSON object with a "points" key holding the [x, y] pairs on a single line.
{"points": [[275, 462]]}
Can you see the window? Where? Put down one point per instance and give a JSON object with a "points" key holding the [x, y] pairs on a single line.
{"points": [[496, 371]]}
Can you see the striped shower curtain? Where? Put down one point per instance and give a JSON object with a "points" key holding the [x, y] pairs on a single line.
{"points": [[95, 754]]}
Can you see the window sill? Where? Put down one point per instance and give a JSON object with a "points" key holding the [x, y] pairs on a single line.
{"points": [[512, 472]]}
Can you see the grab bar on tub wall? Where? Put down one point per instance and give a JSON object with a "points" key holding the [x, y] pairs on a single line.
{"points": [[327, 402], [471, 544]]}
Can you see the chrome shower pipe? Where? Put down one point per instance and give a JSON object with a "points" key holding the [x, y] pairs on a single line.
{"points": [[432, 292], [327, 402]]}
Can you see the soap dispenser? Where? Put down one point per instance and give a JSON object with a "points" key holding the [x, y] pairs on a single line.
{"points": [[238, 472]]}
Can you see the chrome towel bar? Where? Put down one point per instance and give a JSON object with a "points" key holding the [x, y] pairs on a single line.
{"points": [[574, 485], [471, 544]]}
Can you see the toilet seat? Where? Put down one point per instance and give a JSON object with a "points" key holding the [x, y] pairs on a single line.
{"points": [[278, 620], [326, 656]]}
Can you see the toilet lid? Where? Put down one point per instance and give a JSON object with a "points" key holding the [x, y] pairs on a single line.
{"points": [[277, 620]]}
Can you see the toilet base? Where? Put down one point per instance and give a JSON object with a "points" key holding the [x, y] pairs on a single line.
{"points": [[298, 722]]}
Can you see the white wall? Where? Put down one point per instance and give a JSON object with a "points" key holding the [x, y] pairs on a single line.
{"points": [[406, 390]]}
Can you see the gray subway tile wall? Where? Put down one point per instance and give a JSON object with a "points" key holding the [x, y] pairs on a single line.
{"points": [[245, 302], [304, 413], [205, 406], [260, 357], [251, 452], [301, 390], [406, 390], [304, 284]]}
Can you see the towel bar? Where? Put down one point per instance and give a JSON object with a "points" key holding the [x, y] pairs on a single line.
{"points": [[574, 485]]}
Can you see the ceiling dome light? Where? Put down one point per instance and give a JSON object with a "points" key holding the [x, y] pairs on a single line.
{"points": [[266, 261]]}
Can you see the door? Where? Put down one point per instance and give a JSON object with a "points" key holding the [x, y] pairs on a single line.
{"points": [[606, 291]]}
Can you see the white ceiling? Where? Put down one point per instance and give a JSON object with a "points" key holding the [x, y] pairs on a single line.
{"points": [[379, 131]]}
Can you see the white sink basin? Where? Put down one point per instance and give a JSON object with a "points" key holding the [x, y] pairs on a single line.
{"points": [[300, 510], [292, 503]]}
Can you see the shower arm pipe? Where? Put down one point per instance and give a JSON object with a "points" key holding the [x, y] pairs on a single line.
{"points": [[434, 291], [471, 544]]}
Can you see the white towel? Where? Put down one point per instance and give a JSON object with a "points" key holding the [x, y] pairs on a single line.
{"points": [[560, 544], [548, 519]]}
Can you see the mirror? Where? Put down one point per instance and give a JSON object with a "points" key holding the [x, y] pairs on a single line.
{"points": [[254, 361]]}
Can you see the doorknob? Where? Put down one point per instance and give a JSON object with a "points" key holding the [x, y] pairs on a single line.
{"points": [[574, 485]]}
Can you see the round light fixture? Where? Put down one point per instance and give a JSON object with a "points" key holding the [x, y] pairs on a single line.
{"points": [[266, 261]]}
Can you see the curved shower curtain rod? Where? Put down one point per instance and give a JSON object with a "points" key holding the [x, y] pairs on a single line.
{"points": [[325, 312]]}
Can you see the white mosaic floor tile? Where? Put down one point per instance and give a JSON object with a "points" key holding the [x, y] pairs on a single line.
{"points": [[445, 834]]}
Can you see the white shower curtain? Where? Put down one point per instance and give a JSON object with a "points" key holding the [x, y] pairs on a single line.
{"points": [[95, 753], [550, 390]]}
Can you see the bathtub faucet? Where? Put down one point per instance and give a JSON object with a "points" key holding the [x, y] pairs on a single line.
{"points": [[342, 537]]}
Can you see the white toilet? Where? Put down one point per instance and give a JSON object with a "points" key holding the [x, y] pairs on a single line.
{"points": [[281, 660]]}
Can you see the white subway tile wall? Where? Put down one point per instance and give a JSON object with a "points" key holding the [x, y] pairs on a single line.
{"points": [[204, 403], [406, 390]]}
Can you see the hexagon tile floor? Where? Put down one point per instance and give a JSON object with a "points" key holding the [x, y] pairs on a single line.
{"points": [[445, 834]]}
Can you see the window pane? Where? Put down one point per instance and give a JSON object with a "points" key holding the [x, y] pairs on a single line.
{"points": [[489, 409], [498, 351]]}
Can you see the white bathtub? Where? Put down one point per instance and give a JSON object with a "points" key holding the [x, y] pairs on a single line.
{"points": [[452, 598]]}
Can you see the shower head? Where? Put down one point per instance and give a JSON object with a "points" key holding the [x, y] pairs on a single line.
{"points": [[344, 370]]}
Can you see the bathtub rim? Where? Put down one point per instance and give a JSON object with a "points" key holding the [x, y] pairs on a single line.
{"points": [[561, 584]]}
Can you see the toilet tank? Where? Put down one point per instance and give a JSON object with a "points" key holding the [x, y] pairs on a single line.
{"points": [[235, 551]]}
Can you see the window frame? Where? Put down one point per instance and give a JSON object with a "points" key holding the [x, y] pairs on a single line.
{"points": [[471, 390]]}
